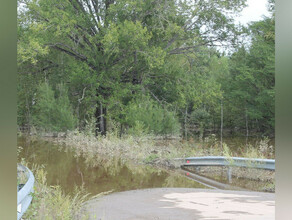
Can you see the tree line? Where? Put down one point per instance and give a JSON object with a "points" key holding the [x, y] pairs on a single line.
{"points": [[150, 66]]}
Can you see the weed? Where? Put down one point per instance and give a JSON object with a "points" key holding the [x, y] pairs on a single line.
{"points": [[151, 158], [50, 202], [265, 149], [228, 154]]}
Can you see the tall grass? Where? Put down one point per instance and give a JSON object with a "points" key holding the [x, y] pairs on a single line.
{"points": [[137, 149], [50, 202], [147, 148]]}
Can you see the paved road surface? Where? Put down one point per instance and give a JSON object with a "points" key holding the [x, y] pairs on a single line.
{"points": [[183, 204]]}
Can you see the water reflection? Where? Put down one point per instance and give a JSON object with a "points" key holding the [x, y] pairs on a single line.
{"points": [[97, 174], [245, 178]]}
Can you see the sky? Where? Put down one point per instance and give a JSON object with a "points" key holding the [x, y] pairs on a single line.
{"points": [[254, 11]]}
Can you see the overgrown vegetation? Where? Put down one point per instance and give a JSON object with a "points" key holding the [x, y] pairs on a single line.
{"points": [[151, 149], [53, 113], [102, 151], [51, 203], [146, 116], [144, 67]]}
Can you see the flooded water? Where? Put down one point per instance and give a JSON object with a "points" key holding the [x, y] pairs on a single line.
{"points": [[64, 168], [243, 178], [238, 144]]}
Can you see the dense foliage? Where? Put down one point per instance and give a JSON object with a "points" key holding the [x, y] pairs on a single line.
{"points": [[52, 113], [150, 65], [148, 116]]}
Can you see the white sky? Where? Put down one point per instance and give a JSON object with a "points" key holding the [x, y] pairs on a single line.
{"points": [[254, 11]]}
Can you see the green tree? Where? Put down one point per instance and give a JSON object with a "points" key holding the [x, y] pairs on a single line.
{"points": [[106, 46], [249, 89], [51, 113], [148, 116]]}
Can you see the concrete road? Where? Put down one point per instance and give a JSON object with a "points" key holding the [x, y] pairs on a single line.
{"points": [[183, 204]]}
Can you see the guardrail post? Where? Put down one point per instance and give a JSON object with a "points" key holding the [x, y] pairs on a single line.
{"points": [[229, 174]]}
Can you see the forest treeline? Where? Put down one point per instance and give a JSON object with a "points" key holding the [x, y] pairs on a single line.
{"points": [[144, 66]]}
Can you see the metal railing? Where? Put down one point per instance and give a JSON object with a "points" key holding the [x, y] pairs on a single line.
{"points": [[24, 191], [267, 164]]}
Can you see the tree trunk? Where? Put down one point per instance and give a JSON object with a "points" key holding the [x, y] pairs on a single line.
{"points": [[100, 114], [221, 133], [246, 126], [186, 128], [135, 77], [28, 115]]}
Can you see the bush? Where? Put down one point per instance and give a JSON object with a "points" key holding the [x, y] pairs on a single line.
{"points": [[51, 113], [51, 203], [147, 116]]}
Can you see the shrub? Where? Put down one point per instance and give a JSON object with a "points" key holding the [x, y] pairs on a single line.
{"points": [[148, 116], [51, 113], [50, 202]]}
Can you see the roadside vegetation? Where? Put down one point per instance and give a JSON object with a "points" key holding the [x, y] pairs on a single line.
{"points": [[51, 203]]}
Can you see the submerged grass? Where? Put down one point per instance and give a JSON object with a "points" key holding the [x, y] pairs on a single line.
{"points": [[147, 149], [143, 149], [102, 151], [158, 151], [51, 203]]}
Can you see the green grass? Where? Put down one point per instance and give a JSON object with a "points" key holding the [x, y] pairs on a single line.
{"points": [[50, 202]]}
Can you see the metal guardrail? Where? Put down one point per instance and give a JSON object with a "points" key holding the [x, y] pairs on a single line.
{"points": [[268, 164], [24, 192]]}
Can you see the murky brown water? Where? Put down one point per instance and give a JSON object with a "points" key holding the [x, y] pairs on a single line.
{"points": [[244, 178], [64, 168]]}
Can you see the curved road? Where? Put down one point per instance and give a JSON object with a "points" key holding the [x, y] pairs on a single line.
{"points": [[183, 204]]}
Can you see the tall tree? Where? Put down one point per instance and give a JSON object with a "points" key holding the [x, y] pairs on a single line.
{"points": [[249, 89], [117, 45]]}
